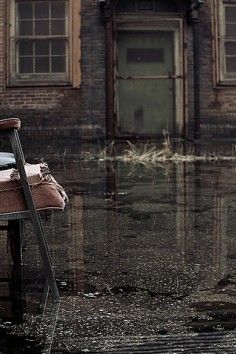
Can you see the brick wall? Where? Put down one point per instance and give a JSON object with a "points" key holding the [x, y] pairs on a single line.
{"points": [[218, 104], [63, 111]]}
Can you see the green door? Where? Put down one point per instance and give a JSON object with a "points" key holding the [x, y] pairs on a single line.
{"points": [[145, 82]]}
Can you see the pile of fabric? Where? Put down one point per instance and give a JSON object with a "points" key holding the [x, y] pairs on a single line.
{"points": [[46, 192]]}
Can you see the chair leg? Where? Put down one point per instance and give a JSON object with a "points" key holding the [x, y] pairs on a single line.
{"points": [[35, 217], [15, 237]]}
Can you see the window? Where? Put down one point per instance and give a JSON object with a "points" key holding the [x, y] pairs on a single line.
{"points": [[44, 42], [227, 41]]}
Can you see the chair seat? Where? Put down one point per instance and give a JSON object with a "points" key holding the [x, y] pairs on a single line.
{"points": [[7, 160]]}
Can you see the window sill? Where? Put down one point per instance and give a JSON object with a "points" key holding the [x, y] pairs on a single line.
{"points": [[22, 83], [226, 83]]}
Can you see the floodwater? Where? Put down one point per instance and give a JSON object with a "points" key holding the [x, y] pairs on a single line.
{"points": [[144, 258]]}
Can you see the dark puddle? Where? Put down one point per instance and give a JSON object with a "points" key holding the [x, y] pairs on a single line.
{"points": [[137, 252], [12, 344]]}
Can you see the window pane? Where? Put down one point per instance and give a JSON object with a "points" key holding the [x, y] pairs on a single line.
{"points": [[58, 47], [58, 9], [149, 53], [41, 27], [230, 13], [167, 6], [230, 30], [25, 47], [145, 55], [58, 64], [42, 65], [145, 5], [25, 10], [231, 65], [26, 28], [42, 9], [230, 48], [25, 65], [125, 5], [58, 27], [42, 47]]}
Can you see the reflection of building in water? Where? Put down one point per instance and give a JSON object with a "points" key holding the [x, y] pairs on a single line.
{"points": [[220, 234], [162, 230], [12, 301], [201, 219], [76, 257], [184, 198], [5, 306]]}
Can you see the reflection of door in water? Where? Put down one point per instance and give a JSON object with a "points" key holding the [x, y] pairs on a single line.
{"points": [[145, 87]]}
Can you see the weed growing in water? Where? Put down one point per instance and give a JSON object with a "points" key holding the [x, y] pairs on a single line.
{"points": [[147, 154]]}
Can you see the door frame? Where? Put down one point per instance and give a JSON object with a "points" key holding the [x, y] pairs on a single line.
{"points": [[153, 24]]}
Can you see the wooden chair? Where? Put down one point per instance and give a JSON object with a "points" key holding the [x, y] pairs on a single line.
{"points": [[9, 130]]}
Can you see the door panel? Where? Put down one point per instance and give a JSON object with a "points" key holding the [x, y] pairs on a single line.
{"points": [[145, 106], [145, 87]]}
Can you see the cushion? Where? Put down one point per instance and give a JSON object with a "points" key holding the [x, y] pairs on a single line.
{"points": [[46, 192]]}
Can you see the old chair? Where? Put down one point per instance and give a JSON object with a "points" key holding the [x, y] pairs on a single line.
{"points": [[9, 129]]}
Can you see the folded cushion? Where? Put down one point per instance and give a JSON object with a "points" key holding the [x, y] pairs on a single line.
{"points": [[46, 192]]}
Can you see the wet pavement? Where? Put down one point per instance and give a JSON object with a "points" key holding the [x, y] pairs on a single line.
{"points": [[144, 258]]}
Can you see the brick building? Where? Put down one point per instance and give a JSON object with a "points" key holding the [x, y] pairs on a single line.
{"points": [[118, 68]]}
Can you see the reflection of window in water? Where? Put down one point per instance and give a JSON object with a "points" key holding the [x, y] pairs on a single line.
{"points": [[204, 229], [77, 243], [220, 234]]}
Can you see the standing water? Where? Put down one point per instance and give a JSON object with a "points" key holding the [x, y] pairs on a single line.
{"points": [[144, 258]]}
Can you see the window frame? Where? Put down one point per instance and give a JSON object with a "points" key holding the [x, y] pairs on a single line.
{"points": [[223, 78], [72, 75]]}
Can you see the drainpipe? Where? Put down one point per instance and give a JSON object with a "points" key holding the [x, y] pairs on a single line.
{"points": [[197, 122], [106, 7], [194, 21]]}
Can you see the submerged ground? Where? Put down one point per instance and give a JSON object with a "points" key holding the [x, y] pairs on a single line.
{"points": [[144, 257]]}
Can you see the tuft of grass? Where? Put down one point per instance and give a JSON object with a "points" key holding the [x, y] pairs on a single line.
{"points": [[148, 155], [152, 155]]}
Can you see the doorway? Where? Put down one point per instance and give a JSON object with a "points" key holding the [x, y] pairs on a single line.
{"points": [[148, 81]]}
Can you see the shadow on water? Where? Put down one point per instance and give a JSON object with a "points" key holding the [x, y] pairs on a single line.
{"points": [[138, 252]]}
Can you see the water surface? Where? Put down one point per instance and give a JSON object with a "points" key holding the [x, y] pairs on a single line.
{"points": [[138, 253]]}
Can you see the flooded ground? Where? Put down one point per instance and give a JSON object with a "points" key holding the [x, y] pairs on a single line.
{"points": [[144, 258]]}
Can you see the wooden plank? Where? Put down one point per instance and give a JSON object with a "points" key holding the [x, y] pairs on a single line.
{"points": [[7, 24], [75, 69]]}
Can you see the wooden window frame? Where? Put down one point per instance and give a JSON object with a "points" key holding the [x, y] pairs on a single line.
{"points": [[221, 77], [72, 76]]}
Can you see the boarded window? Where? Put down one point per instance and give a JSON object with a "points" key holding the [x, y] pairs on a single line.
{"points": [[44, 42]]}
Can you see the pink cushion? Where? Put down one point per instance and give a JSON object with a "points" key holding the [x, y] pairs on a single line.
{"points": [[47, 193]]}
